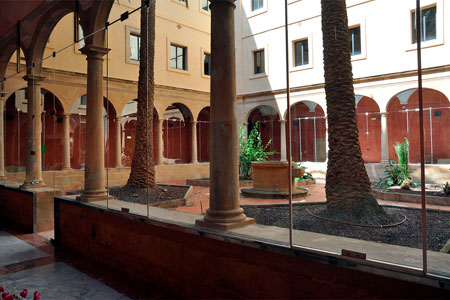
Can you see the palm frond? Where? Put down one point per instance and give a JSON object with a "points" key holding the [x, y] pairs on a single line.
{"points": [[402, 150]]}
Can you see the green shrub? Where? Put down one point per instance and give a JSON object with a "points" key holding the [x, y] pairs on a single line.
{"points": [[252, 149]]}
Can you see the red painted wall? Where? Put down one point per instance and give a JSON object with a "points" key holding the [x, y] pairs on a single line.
{"points": [[203, 127], [397, 126], [269, 128], [302, 132], [369, 127]]}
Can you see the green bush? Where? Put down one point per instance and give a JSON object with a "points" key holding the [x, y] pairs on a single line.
{"points": [[252, 149]]}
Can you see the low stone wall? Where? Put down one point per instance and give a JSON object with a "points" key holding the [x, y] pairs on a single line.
{"points": [[16, 206], [435, 174], [73, 180], [31, 210], [192, 262]]}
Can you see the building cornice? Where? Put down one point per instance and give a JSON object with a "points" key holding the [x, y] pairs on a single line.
{"points": [[376, 78]]}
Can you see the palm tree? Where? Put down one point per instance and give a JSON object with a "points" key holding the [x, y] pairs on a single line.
{"points": [[348, 188], [143, 167]]}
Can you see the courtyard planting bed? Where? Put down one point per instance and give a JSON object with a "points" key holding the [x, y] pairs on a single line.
{"points": [[164, 195], [434, 196], [406, 234]]}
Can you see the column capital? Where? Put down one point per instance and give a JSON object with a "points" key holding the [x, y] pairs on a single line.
{"points": [[67, 114], [118, 118], [194, 122], [94, 51], [2, 95], [33, 79], [384, 113], [283, 121], [231, 2]]}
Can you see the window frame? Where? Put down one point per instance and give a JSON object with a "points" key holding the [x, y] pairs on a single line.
{"points": [[128, 32], [183, 56], [203, 53], [351, 41], [361, 23], [299, 38], [179, 43], [247, 5], [201, 7], [425, 4], [138, 46], [295, 52]]}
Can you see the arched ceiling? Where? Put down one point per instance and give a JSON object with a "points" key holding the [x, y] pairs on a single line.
{"points": [[12, 11]]}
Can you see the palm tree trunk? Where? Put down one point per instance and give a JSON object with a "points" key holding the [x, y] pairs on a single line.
{"points": [[348, 188], [143, 167]]}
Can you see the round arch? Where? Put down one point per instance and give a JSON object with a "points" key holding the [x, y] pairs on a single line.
{"points": [[308, 131], [269, 127], [177, 134], [128, 121], [368, 118], [16, 126], [203, 129], [403, 122]]}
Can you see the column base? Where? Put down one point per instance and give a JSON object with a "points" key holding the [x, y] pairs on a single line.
{"points": [[94, 195], [66, 168], [225, 220], [33, 184]]}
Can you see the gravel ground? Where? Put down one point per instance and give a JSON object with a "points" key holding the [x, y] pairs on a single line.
{"points": [[407, 234], [140, 195]]}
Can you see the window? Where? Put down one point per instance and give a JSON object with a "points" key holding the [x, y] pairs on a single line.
{"points": [[80, 37], [257, 4], [258, 62], [83, 100], [301, 53], [135, 44], [428, 25], [205, 5], [207, 64], [178, 57], [355, 40]]}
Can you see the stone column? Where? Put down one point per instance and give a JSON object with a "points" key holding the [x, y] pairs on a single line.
{"points": [[33, 173], [194, 159], [160, 144], [384, 139], [283, 140], [66, 142], [118, 143], [2, 141], [224, 211], [94, 174]]}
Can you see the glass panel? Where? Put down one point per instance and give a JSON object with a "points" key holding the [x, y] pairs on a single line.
{"points": [[428, 25], [355, 40], [207, 64], [134, 47], [301, 53]]}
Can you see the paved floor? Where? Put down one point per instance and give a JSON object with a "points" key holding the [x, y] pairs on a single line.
{"points": [[28, 261], [199, 200]]}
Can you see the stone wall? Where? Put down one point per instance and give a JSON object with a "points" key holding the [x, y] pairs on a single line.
{"points": [[193, 264]]}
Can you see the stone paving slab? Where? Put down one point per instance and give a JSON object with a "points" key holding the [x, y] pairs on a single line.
{"points": [[14, 250], [58, 281]]}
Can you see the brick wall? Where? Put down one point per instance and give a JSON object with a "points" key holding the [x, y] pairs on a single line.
{"points": [[190, 265]]}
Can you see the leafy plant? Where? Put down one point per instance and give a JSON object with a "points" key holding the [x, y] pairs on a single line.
{"points": [[403, 158], [252, 149], [446, 188], [398, 174]]}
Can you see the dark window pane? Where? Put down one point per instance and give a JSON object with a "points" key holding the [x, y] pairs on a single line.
{"points": [[207, 64], [428, 27], [355, 40], [301, 53], [257, 4], [259, 62], [178, 57]]}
